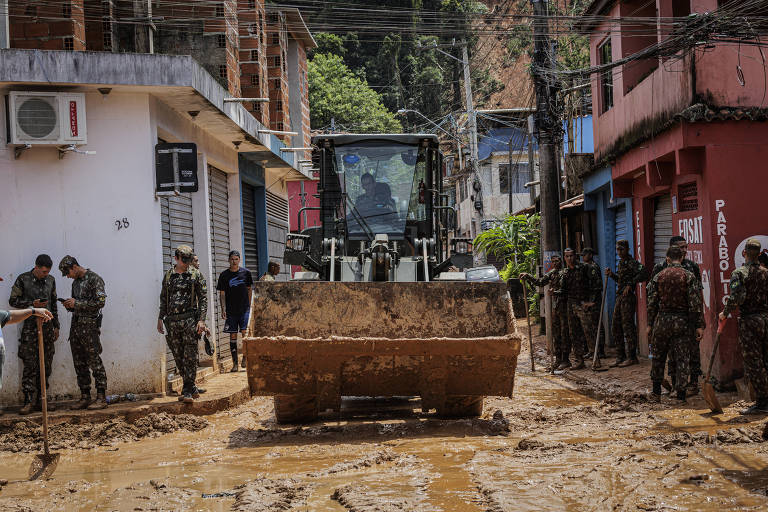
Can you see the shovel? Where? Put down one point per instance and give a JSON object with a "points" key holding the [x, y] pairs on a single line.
{"points": [[528, 318], [45, 463], [596, 367], [707, 389]]}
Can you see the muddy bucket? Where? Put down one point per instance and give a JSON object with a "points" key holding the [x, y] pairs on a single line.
{"points": [[310, 343]]}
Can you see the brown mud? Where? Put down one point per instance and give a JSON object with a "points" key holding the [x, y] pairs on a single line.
{"points": [[580, 441]]}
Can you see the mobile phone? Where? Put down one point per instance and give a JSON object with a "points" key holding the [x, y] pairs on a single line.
{"points": [[61, 300]]}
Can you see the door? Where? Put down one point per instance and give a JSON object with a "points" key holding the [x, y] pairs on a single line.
{"points": [[621, 227], [218, 202], [176, 224], [662, 228], [250, 243], [277, 229]]}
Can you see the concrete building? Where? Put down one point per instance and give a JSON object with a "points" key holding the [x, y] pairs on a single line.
{"points": [[684, 139], [103, 207]]}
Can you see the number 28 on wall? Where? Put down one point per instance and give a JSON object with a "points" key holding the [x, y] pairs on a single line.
{"points": [[122, 223]]}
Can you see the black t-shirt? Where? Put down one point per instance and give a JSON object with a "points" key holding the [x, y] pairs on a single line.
{"points": [[235, 287]]}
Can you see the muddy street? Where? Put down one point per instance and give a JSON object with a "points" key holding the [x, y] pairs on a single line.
{"points": [[582, 441]]}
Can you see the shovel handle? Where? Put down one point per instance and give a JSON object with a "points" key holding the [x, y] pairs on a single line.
{"points": [[528, 318], [720, 327], [599, 323], [43, 391]]}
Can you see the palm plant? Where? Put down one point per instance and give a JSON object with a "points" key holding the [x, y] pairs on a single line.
{"points": [[516, 241]]}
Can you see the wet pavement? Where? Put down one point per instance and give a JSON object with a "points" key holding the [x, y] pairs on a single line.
{"points": [[580, 441]]}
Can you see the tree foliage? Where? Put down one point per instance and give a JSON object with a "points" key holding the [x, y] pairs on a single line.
{"points": [[335, 92]]}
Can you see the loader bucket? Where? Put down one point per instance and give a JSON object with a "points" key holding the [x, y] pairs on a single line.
{"points": [[310, 343]]}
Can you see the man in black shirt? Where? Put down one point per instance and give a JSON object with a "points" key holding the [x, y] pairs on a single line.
{"points": [[234, 288]]}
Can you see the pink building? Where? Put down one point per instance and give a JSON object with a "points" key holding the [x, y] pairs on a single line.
{"points": [[685, 137]]}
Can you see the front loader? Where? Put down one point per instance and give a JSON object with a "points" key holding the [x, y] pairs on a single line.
{"points": [[376, 312]]}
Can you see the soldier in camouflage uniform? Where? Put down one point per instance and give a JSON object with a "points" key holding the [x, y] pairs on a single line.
{"points": [[695, 355], [36, 288], [183, 308], [749, 292], [629, 273], [595, 286], [88, 298], [674, 313], [575, 288], [559, 312]]}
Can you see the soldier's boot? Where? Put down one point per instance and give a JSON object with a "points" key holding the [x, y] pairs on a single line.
{"points": [[618, 362], [579, 364], [679, 398], [242, 363], [655, 395], [760, 407], [100, 402], [628, 362], [84, 402], [28, 405], [564, 365]]}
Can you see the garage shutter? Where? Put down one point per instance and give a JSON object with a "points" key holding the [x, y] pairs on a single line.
{"points": [[176, 224], [250, 243], [277, 228], [662, 227], [621, 226], [218, 201]]}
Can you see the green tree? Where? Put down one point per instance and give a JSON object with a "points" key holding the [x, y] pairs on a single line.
{"points": [[335, 92]]}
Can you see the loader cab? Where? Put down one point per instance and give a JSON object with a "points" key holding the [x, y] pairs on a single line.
{"points": [[383, 217]]}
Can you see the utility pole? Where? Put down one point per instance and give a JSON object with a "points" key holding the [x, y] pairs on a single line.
{"points": [[548, 128], [472, 127]]}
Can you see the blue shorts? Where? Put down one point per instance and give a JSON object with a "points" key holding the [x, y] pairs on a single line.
{"points": [[237, 323]]}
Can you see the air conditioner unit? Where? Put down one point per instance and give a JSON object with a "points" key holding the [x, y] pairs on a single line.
{"points": [[55, 118]]}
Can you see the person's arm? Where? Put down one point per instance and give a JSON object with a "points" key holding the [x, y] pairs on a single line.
{"points": [[653, 302], [596, 285], [223, 304], [19, 315], [95, 298], [53, 306], [17, 295], [738, 292], [201, 289], [641, 274], [695, 313]]}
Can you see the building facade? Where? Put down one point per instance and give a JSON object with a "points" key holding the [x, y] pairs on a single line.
{"points": [[686, 148], [118, 118]]}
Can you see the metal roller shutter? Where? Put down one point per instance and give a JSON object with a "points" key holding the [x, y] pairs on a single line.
{"points": [[621, 225], [218, 201], [277, 229], [662, 227], [176, 224], [250, 242]]}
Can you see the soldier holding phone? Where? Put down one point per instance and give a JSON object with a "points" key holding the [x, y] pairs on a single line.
{"points": [[36, 289]]}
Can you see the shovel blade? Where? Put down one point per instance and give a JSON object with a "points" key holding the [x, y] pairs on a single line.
{"points": [[43, 465], [711, 397]]}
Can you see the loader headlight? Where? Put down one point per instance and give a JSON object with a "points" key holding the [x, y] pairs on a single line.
{"points": [[296, 242]]}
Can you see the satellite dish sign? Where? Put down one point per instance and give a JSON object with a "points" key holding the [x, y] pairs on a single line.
{"points": [[176, 167], [738, 258]]}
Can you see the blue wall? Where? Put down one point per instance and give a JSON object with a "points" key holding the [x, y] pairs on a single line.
{"points": [[598, 197], [584, 139]]}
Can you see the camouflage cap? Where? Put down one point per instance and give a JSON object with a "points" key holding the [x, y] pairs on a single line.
{"points": [[184, 252], [622, 243], [66, 263], [753, 243], [587, 250]]}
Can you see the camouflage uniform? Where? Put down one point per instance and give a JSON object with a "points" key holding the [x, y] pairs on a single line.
{"points": [[183, 303], [25, 290], [84, 333], [629, 273], [559, 310], [575, 287], [674, 312], [694, 352], [749, 291], [595, 285]]}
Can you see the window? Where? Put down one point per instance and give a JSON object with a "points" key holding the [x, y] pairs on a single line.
{"points": [[276, 61], [221, 41], [606, 78], [688, 196], [276, 39], [220, 10], [255, 80], [223, 71], [273, 17], [31, 10], [256, 108], [66, 10], [255, 55], [504, 178], [253, 29], [69, 43], [251, 4], [279, 127], [279, 105]]}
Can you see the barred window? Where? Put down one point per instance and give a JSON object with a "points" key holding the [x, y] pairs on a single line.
{"points": [[255, 55], [221, 41], [223, 71], [688, 196]]}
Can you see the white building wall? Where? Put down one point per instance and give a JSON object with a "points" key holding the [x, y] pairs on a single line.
{"points": [[71, 206]]}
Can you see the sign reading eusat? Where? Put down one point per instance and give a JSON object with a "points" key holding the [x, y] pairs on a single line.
{"points": [[176, 167]]}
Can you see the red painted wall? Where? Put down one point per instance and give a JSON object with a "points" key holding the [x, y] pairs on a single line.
{"points": [[294, 204]]}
